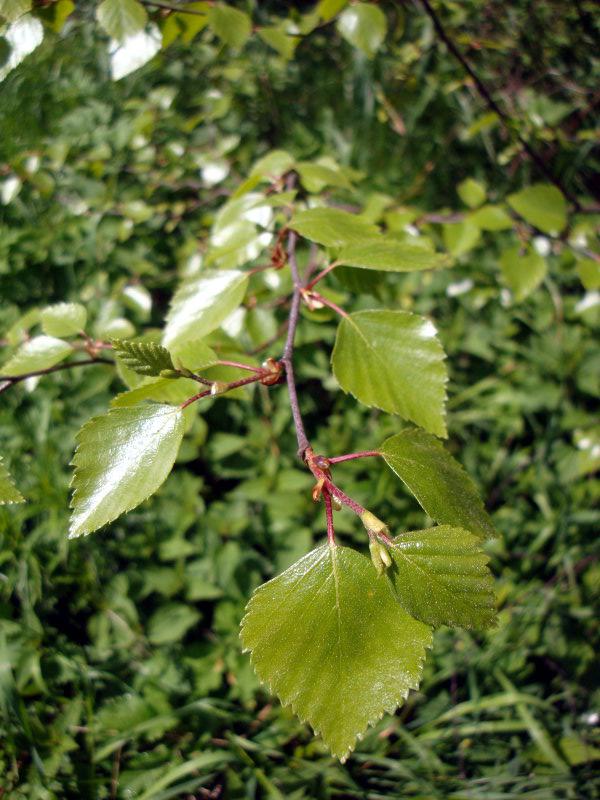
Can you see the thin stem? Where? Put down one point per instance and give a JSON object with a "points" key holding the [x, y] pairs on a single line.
{"points": [[329, 515], [353, 456], [226, 388], [169, 7], [288, 350], [237, 364], [10, 380], [492, 104], [330, 486], [329, 303], [321, 275]]}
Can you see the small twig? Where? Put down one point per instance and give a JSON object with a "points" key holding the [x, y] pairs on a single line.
{"points": [[227, 387], [6, 381], [168, 7], [318, 298], [237, 364], [288, 350], [330, 486], [321, 275], [493, 105], [353, 456]]}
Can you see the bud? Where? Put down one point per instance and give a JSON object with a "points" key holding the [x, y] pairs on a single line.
{"points": [[379, 556], [170, 373], [218, 387], [374, 525]]}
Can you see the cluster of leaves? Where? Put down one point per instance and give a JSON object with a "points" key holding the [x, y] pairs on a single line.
{"points": [[119, 660]]}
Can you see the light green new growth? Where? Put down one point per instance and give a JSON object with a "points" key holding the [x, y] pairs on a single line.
{"points": [[145, 358]]}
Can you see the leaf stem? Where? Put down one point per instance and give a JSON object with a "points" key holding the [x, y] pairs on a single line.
{"points": [[237, 364], [343, 497], [288, 350], [321, 275], [329, 515], [353, 456], [226, 388], [308, 296], [169, 7]]}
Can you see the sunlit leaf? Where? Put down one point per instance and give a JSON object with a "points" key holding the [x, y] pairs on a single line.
{"points": [[121, 18], [8, 491], [363, 25], [440, 484], [441, 577], [230, 24], [201, 304], [121, 459], [393, 360], [542, 205], [471, 192], [491, 218], [331, 226], [11, 10], [522, 272], [63, 319], [41, 352], [330, 639]]}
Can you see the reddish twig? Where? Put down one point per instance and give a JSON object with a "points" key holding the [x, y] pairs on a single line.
{"points": [[310, 297], [6, 381], [353, 456]]}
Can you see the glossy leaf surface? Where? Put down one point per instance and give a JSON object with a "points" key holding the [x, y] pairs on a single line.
{"points": [[41, 352], [121, 459], [364, 26], [331, 640], [393, 360], [200, 305], [441, 577], [63, 319], [440, 484]]}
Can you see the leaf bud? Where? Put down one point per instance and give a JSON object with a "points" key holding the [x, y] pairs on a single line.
{"points": [[379, 556], [218, 387], [170, 373], [374, 525]]}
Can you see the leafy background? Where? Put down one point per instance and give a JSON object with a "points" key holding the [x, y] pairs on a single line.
{"points": [[120, 666]]}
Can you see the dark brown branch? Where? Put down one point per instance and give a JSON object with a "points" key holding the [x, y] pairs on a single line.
{"points": [[6, 381], [493, 105], [288, 350]]}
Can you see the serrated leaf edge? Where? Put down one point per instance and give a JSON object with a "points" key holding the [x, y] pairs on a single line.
{"points": [[73, 463], [11, 483], [398, 702]]}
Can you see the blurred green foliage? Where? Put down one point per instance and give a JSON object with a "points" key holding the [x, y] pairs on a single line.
{"points": [[120, 667]]}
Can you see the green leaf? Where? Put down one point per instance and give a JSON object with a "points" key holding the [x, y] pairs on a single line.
{"points": [[145, 358], [522, 273], [589, 273], [163, 390], [390, 255], [121, 18], [393, 360], [8, 492], [331, 226], [63, 319], [364, 26], [491, 218], [542, 205], [471, 192], [328, 9], [441, 577], [280, 41], [460, 237], [230, 24], [315, 177], [440, 484], [11, 10], [41, 352], [331, 640], [121, 459], [201, 304], [171, 622]]}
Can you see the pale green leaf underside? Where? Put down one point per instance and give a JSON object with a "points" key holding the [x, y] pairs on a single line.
{"points": [[8, 492], [522, 272], [200, 305], [121, 459], [41, 352], [331, 640], [63, 319], [332, 227], [542, 205], [393, 360], [440, 484], [11, 10], [121, 18], [441, 577], [363, 25], [390, 255]]}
